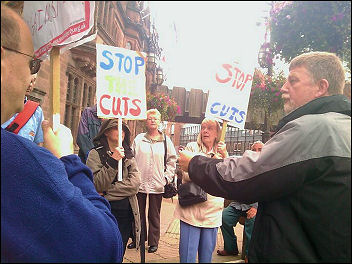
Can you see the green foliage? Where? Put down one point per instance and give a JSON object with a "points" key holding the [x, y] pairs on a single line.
{"points": [[301, 26], [167, 106]]}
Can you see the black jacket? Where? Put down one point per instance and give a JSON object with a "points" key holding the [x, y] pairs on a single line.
{"points": [[302, 181]]}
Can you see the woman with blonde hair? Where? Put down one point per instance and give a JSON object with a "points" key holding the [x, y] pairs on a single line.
{"points": [[199, 222]]}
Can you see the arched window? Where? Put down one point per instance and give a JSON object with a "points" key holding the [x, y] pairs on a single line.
{"points": [[128, 45]]}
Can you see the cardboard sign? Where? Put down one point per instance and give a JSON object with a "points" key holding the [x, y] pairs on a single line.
{"points": [[54, 23], [229, 97], [120, 83]]}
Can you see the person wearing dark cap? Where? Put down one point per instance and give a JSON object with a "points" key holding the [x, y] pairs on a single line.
{"points": [[103, 161]]}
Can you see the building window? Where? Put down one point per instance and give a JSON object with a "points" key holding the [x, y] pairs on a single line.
{"points": [[69, 85], [114, 32], [84, 98], [73, 102], [129, 45], [75, 90], [90, 96], [106, 15]]}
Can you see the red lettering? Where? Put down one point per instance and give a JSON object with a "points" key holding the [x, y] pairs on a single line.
{"points": [[104, 110], [227, 67], [137, 111], [116, 110], [237, 71], [41, 25], [114, 106], [240, 80], [125, 99], [248, 78]]}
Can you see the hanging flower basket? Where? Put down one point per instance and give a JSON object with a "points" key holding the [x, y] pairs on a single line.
{"points": [[167, 106], [265, 93]]}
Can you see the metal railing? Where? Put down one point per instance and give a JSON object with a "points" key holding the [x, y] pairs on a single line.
{"points": [[237, 141]]}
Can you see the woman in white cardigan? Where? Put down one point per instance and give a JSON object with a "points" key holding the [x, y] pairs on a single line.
{"points": [[149, 151], [199, 222]]}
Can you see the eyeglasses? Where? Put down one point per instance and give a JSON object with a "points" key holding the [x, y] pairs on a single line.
{"points": [[34, 64]]}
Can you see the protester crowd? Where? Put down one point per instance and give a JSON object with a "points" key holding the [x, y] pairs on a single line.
{"points": [[294, 190]]}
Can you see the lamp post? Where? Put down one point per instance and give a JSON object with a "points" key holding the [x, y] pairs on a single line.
{"points": [[264, 57], [151, 64], [154, 52], [265, 61], [159, 76]]}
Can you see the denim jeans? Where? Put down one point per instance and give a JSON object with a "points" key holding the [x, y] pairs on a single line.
{"points": [[196, 239]]}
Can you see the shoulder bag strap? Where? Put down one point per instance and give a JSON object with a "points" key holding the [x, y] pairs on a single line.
{"points": [[22, 118], [165, 147]]}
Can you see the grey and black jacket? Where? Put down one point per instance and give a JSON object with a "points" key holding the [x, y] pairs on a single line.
{"points": [[105, 172], [302, 181]]}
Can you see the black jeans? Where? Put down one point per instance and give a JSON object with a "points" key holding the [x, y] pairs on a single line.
{"points": [[123, 213]]}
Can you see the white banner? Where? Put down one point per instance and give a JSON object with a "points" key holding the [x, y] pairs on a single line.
{"points": [[55, 23], [120, 83], [228, 99]]}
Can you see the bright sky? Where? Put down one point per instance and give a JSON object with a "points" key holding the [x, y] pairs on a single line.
{"points": [[208, 33]]}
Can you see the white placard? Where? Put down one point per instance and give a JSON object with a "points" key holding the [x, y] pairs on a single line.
{"points": [[228, 98], [55, 23], [120, 83]]}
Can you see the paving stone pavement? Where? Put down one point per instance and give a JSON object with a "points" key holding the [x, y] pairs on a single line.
{"points": [[169, 238]]}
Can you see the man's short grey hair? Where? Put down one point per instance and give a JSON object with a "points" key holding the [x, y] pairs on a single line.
{"points": [[10, 30], [323, 65]]}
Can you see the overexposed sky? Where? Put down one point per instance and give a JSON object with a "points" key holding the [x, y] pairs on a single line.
{"points": [[206, 33]]}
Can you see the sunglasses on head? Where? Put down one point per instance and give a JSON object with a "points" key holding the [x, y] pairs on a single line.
{"points": [[34, 64]]}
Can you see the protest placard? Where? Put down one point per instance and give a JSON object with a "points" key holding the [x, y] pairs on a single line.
{"points": [[229, 97], [57, 23], [120, 83]]}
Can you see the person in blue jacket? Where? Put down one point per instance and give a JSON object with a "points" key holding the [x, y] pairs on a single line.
{"points": [[33, 127], [88, 128], [50, 210]]}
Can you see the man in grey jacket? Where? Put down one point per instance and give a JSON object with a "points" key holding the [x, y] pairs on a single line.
{"points": [[302, 177]]}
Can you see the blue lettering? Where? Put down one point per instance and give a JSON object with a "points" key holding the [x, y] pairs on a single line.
{"points": [[242, 113], [128, 70], [223, 113], [233, 114], [212, 108], [120, 55], [138, 59], [111, 62], [234, 111]]}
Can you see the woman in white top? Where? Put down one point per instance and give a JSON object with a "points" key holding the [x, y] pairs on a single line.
{"points": [[199, 222], [149, 151]]}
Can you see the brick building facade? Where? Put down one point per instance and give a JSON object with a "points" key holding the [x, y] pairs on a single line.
{"points": [[117, 23]]}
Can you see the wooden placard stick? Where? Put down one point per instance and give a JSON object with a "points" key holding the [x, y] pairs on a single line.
{"points": [[223, 130], [55, 87], [119, 176]]}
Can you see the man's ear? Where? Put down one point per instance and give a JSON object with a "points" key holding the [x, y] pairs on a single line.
{"points": [[323, 86]]}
